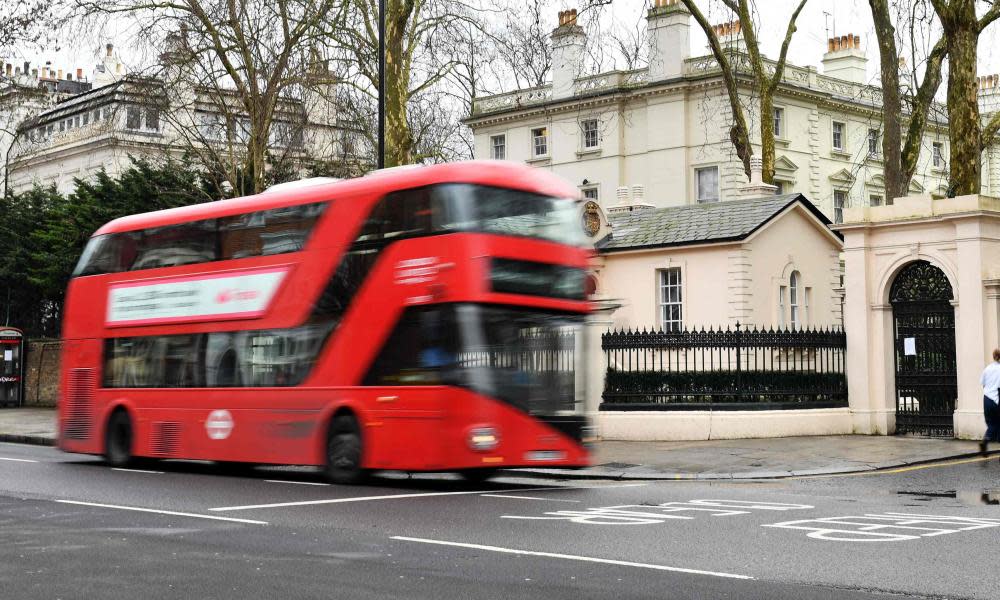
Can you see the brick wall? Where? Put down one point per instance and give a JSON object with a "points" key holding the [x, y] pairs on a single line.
{"points": [[41, 373]]}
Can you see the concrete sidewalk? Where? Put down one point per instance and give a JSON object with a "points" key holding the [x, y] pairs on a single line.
{"points": [[716, 459]]}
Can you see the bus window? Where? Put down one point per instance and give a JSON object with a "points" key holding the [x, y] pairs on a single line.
{"points": [[175, 245], [265, 232]]}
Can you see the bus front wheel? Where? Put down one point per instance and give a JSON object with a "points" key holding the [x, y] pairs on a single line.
{"points": [[118, 439], [343, 451]]}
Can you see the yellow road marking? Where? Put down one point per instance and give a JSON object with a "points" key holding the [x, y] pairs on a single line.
{"points": [[901, 469]]}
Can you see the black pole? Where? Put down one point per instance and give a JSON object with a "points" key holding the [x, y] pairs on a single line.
{"points": [[381, 84]]}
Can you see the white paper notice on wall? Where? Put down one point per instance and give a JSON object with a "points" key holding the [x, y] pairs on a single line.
{"points": [[910, 346], [8, 355]]}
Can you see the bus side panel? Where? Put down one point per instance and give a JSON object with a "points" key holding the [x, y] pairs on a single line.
{"points": [[81, 412], [404, 428]]}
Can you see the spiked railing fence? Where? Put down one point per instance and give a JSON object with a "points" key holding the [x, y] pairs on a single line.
{"points": [[724, 369]]}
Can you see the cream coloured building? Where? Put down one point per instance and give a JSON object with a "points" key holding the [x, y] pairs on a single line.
{"points": [[666, 127]]}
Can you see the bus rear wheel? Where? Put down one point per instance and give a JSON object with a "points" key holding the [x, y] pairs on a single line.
{"points": [[118, 440], [343, 451]]}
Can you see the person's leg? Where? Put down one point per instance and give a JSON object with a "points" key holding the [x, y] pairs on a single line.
{"points": [[989, 417], [993, 421]]}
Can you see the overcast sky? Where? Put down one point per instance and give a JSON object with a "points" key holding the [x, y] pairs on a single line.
{"points": [[819, 20]]}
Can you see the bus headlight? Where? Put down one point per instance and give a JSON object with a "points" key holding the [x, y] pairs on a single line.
{"points": [[483, 439]]}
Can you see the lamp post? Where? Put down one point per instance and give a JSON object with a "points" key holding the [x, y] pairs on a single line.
{"points": [[381, 84]]}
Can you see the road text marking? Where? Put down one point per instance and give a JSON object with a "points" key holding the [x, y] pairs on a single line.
{"points": [[888, 527], [163, 512], [590, 559], [19, 460], [643, 514]]}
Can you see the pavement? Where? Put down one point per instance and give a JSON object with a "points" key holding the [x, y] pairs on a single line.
{"points": [[770, 458]]}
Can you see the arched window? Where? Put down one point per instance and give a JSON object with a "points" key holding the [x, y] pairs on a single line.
{"points": [[794, 299]]}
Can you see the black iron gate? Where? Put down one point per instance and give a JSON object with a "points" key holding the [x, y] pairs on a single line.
{"points": [[924, 326]]}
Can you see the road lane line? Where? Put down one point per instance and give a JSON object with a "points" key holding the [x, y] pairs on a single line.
{"points": [[526, 498], [607, 561], [137, 471], [18, 460], [295, 482], [163, 512], [370, 498]]}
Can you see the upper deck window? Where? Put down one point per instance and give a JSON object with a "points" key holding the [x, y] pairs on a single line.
{"points": [[259, 233]]}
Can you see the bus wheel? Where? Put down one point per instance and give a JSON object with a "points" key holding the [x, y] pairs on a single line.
{"points": [[343, 451], [478, 475], [118, 439]]}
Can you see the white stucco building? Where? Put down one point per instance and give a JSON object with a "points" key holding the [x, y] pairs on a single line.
{"points": [[666, 127], [120, 116]]}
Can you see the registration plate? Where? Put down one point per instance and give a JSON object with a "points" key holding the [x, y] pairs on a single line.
{"points": [[545, 455]]}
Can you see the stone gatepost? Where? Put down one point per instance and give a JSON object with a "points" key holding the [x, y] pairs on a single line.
{"points": [[960, 239]]}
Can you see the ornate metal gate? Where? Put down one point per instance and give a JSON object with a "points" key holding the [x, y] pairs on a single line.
{"points": [[924, 325]]}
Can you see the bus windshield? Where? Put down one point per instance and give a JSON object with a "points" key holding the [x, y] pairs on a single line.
{"points": [[466, 207]]}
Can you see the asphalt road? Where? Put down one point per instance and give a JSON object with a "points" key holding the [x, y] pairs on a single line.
{"points": [[70, 527]]}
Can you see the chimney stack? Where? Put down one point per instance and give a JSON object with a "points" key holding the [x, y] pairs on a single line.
{"points": [[845, 59], [668, 25], [989, 93], [568, 42], [626, 205], [730, 35]]}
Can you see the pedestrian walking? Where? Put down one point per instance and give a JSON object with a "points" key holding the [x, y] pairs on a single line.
{"points": [[990, 381]]}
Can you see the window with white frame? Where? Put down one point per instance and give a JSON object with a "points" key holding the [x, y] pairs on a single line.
{"points": [[838, 135], [540, 141], [671, 305], [779, 122], [874, 200], [937, 155], [781, 305], [498, 147], [839, 201], [591, 135], [706, 181], [590, 193], [873, 142], [794, 300]]}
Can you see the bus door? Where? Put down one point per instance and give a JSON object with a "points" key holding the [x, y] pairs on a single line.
{"points": [[11, 367]]}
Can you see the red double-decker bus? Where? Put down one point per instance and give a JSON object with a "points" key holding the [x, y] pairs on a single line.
{"points": [[417, 319]]}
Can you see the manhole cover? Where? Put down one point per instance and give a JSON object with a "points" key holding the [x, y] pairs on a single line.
{"points": [[618, 465]]}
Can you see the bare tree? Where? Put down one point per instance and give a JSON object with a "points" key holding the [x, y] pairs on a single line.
{"points": [[900, 154], [962, 28], [764, 80], [242, 61], [24, 22]]}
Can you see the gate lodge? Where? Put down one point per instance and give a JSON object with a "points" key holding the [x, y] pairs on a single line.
{"points": [[922, 278]]}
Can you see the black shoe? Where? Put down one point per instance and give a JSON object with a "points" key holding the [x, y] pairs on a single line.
{"points": [[982, 447]]}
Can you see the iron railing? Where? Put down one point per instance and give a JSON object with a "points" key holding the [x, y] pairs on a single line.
{"points": [[725, 369]]}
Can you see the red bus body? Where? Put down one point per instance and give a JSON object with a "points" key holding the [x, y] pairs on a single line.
{"points": [[406, 427]]}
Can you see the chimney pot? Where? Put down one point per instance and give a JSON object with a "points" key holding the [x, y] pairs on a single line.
{"points": [[110, 49], [622, 193], [10, 68], [79, 74], [69, 77], [638, 192], [60, 74]]}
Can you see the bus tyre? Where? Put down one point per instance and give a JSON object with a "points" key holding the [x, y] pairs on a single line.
{"points": [[118, 440], [478, 475], [343, 451]]}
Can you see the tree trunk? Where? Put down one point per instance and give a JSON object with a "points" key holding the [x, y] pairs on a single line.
{"points": [[896, 184], [398, 137], [963, 108], [767, 132]]}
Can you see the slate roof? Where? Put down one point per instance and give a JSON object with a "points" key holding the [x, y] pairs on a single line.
{"points": [[716, 222]]}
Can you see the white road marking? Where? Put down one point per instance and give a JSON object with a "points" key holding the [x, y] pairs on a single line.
{"points": [[137, 471], [18, 460], [591, 559], [163, 512], [526, 498], [295, 482], [355, 499]]}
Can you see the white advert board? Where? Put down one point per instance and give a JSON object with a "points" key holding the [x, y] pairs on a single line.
{"points": [[202, 297]]}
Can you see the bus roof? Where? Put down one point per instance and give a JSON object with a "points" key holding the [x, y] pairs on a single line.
{"points": [[496, 173]]}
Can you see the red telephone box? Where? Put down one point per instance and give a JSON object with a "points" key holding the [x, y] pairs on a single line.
{"points": [[11, 367]]}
